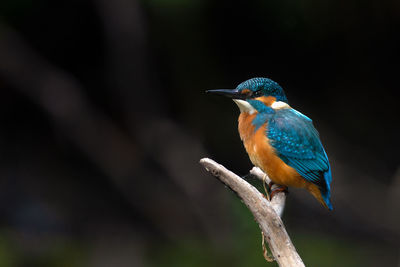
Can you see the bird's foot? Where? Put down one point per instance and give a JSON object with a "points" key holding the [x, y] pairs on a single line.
{"points": [[281, 188], [267, 190]]}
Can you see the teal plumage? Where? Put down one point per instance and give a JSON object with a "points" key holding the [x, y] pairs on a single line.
{"points": [[297, 143], [290, 150]]}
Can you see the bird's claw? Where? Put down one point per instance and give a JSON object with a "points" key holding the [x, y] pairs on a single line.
{"points": [[281, 188], [267, 190]]}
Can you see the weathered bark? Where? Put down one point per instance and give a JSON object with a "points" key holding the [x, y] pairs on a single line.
{"points": [[264, 211]]}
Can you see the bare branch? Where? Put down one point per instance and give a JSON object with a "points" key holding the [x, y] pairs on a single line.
{"points": [[268, 220], [278, 202]]}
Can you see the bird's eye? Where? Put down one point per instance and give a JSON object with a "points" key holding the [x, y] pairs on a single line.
{"points": [[257, 94]]}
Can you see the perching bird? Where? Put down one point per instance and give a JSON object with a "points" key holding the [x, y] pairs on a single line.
{"points": [[280, 140]]}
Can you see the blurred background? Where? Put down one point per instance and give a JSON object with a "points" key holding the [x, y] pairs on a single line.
{"points": [[104, 119]]}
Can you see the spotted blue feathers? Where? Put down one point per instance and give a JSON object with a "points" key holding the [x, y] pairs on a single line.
{"points": [[297, 143], [267, 86]]}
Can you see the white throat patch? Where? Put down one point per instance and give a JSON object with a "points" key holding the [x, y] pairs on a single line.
{"points": [[244, 106], [279, 105]]}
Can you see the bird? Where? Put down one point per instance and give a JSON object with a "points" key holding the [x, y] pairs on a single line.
{"points": [[280, 140]]}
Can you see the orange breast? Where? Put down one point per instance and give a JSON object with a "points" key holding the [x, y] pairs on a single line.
{"points": [[263, 155]]}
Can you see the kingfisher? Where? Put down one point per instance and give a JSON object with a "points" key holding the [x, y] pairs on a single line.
{"points": [[279, 139]]}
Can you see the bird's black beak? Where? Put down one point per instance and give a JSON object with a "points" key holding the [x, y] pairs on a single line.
{"points": [[231, 93]]}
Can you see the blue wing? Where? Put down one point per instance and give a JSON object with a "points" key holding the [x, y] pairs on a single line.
{"points": [[297, 143]]}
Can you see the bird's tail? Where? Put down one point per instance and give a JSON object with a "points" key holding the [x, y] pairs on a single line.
{"points": [[321, 195], [326, 192], [327, 201]]}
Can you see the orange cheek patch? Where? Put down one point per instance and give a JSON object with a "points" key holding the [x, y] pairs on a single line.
{"points": [[267, 100], [245, 92]]}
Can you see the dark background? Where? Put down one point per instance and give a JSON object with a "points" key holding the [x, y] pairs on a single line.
{"points": [[104, 119]]}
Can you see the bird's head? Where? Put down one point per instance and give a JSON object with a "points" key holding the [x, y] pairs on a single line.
{"points": [[256, 94]]}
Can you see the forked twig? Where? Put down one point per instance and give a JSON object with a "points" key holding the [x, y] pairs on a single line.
{"points": [[266, 213]]}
